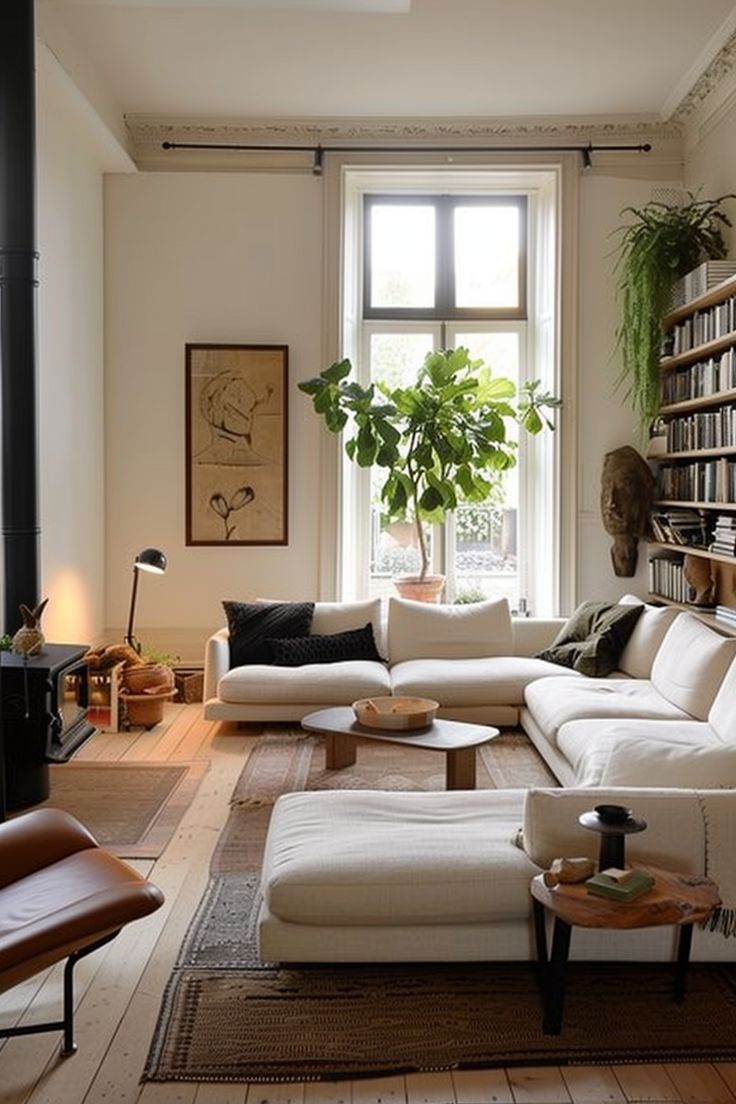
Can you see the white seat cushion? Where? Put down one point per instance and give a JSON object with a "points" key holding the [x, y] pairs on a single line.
{"points": [[691, 664], [370, 857], [555, 701], [420, 630], [646, 753], [499, 680], [322, 683]]}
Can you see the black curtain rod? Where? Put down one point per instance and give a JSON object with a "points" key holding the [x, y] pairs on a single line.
{"points": [[319, 150]]}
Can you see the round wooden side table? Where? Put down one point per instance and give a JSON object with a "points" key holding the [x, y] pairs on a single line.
{"points": [[678, 899]]}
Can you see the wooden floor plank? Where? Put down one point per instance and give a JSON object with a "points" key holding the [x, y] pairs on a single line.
{"points": [[379, 1090], [430, 1088], [592, 1085], [276, 1093], [481, 1087], [327, 1092], [538, 1085], [727, 1070], [646, 1084], [698, 1082], [221, 1094]]}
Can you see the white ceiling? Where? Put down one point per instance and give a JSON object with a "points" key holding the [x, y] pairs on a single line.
{"points": [[301, 58]]}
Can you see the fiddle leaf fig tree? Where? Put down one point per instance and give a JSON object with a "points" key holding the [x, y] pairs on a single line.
{"points": [[442, 440], [661, 243]]}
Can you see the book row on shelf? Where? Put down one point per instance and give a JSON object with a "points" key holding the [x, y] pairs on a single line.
{"points": [[700, 380], [703, 325], [724, 535], [698, 481], [703, 430], [667, 577], [682, 526]]}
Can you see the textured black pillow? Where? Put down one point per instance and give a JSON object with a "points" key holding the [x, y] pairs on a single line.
{"points": [[353, 644], [251, 624], [593, 638]]}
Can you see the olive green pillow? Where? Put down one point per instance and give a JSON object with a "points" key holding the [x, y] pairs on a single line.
{"points": [[592, 640]]}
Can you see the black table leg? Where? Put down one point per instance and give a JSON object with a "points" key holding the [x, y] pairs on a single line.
{"points": [[683, 958], [540, 933], [554, 997]]}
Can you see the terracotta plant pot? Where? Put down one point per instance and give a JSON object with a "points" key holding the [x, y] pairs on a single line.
{"points": [[428, 589], [145, 709]]}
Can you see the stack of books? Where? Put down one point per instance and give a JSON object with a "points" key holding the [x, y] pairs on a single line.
{"points": [[727, 614], [680, 526], [724, 535], [620, 885]]}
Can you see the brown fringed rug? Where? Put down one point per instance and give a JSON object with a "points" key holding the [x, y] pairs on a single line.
{"points": [[130, 808], [227, 1018]]}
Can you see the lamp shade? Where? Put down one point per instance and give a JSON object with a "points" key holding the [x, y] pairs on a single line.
{"points": [[151, 559]]}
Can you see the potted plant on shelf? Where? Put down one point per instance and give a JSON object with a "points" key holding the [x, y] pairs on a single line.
{"points": [[441, 440], [663, 243]]}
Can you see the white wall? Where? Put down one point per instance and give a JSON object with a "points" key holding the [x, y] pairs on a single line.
{"points": [[73, 152], [224, 258], [604, 418]]}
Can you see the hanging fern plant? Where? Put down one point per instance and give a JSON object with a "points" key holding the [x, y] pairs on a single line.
{"points": [[663, 243]]}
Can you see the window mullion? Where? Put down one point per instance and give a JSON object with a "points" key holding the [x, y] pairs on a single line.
{"points": [[444, 274]]}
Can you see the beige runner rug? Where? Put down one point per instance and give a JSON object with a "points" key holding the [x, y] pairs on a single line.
{"points": [[130, 808]]}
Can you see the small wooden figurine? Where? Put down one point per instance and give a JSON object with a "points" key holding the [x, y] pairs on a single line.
{"points": [[29, 640], [567, 871]]}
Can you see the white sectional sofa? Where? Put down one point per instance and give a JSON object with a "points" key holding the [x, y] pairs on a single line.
{"points": [[409, 877], [667, 716]]}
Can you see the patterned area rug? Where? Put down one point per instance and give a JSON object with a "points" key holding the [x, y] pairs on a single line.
{"points": [[227, 1017], [131, 808]]}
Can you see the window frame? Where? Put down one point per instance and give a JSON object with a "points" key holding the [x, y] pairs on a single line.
{"points": [[444, 308]]}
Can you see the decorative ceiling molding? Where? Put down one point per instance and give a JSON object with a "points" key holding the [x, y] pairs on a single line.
{"points": [[149, 133], [720, 68]]}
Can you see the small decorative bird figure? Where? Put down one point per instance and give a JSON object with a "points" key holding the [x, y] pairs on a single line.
{"points": [[29, 640]]}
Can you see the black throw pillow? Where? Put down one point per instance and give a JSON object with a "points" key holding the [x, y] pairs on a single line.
{"points": [[251, 624], [352, 644], [593, 638]]}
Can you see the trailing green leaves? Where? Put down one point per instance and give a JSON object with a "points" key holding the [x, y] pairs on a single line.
{"points": [[661, 244]]}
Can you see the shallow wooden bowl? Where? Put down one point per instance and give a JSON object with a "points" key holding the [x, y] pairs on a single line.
{"points": [[395, 714]]}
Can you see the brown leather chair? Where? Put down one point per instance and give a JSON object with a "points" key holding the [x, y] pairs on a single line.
{"points": [[61, 896]]}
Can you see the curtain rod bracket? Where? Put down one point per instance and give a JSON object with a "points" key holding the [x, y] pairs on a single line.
{"points": [[317, 163]]}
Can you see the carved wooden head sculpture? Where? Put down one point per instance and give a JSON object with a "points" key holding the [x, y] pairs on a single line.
{"points": [[627, 495]]}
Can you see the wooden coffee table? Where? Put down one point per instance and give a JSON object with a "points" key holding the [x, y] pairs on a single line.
{"points": [[457, 739], [679, 899]]}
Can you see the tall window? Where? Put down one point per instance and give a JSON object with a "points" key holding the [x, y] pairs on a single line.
{"points": [[427, 271]]}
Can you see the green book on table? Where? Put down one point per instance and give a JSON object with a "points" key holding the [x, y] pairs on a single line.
{"points": [[603, 885]]}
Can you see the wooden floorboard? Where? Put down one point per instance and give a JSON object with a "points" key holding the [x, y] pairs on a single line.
{"points": [[118, 989]]}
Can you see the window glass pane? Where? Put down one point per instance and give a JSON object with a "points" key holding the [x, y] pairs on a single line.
{"points": [[402, 256], [395, 359], [486, 256], [486, 549]]}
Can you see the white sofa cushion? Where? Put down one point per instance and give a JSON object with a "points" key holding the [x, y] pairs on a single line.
{"points": [[674, 837], [645, 753], [372, 857], [420, 630], [555, 701], [649, 632], [318, 683], [691, 663], [498, 680], [722, 715]]}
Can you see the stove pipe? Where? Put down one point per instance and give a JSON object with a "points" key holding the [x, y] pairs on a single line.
{"points": [[17, 309]]}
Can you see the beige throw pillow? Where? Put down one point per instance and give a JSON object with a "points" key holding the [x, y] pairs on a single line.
{"points": [[420, 630], [690, 665], [649, 631]]}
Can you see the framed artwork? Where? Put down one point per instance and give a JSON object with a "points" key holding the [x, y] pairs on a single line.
{"points": [[236, 444]]}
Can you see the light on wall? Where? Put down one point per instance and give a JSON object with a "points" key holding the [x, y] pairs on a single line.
{"points": [[150, 559]]}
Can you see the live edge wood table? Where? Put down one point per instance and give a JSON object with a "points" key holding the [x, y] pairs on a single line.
{"points": [[679, 899], [457, 739]]}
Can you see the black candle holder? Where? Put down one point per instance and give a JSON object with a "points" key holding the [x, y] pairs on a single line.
{"points": [[615, 823]]}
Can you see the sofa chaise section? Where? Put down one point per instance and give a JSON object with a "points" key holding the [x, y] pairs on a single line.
{"points": [[383, 877]]}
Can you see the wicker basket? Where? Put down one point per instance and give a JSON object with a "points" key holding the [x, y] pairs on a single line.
{"points": [[189, 685]]}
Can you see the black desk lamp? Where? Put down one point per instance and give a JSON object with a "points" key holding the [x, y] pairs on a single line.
{"points": [[150, 559]]}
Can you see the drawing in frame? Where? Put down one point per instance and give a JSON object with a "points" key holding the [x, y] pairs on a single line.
{"points": [[236, 444]]}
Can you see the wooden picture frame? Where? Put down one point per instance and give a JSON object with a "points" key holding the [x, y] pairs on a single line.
{"points": [[236, 444]]}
